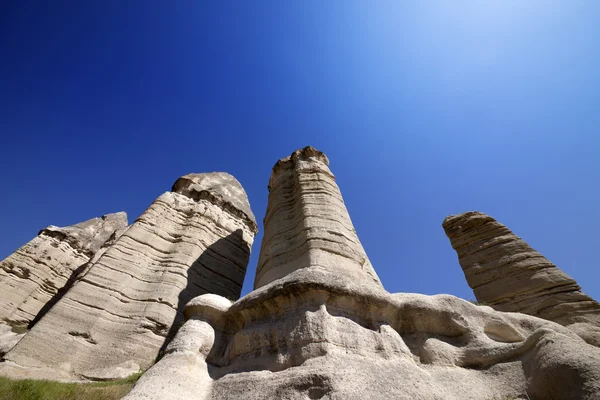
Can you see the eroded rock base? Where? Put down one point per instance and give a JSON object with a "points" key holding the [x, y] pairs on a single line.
{"points": [[317, 335]]}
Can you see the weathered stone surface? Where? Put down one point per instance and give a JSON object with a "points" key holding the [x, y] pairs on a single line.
{"points": [[183, 373], [314, 329], [38, 273], [507, 274], [318, 334], [307, 223], [115, 319]]}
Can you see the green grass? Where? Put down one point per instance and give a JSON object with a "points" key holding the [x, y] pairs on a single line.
{"points": [[28, 389]]}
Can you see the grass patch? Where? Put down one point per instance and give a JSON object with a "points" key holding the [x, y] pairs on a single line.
{"points": [[28, 389]]}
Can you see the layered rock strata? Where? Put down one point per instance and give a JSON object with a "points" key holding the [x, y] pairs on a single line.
{"points": [[114, 321], [34, 277], [507, 274], [314, 330], [307, 223], [316, 334]]}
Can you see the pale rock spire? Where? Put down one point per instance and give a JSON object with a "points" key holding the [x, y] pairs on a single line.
{"points": [[307, 223]]}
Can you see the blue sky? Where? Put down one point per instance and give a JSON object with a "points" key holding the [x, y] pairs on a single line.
{"points": [[424, 110]]}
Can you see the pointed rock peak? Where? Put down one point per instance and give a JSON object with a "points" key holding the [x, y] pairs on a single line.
{"points": [[307, 159], [307, 224], [118, 217], [89, 235], [305, 154], [218, 187], [465, 221], [308, 152]]}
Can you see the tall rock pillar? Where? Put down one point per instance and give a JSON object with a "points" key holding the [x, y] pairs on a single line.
{"points": [[35, 276], [117, 317], [509, 275], [319, 325], [307, 223]]}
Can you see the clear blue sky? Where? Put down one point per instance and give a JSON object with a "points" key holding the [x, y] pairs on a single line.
{"points": [[424, 110]]}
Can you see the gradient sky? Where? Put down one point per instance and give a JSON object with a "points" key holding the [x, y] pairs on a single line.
{"points": [[424, 110]]}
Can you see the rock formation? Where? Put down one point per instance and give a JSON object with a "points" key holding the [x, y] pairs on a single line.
{"points": [[307, 223], [115, 319], [320, 326], [35, 276], [507, 274]]}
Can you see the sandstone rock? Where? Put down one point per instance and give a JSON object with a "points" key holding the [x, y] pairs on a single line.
{"points": [[118, 315], [317, 330], [9, 336], [34, 277], [319, 334], [507, 274], [183, 373], [307, 223]]}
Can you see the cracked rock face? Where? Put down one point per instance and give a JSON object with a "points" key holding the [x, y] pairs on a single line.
{"points": [[37, 274], [324, 328], [307, 223], [116, 318], [507, 274]]}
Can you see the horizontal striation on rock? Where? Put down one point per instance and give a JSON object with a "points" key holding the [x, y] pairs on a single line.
{"points": [[119, 314], [324, 328], [509, 275], [34, 277], [307, 223], [319, 334]]}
